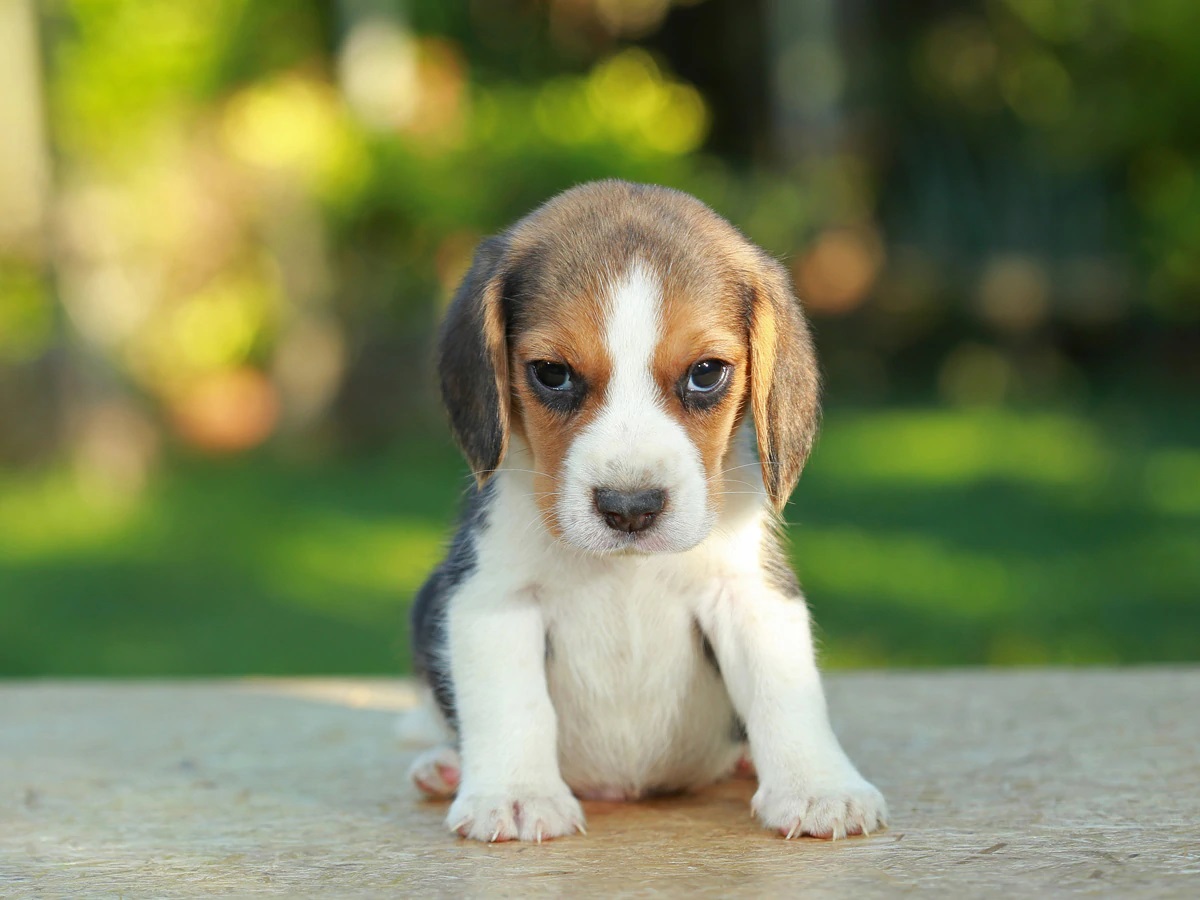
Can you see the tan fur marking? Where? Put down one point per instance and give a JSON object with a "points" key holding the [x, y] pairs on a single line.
{"points": [[495, 339], [697, 327], [569, 331], [762, 353]]}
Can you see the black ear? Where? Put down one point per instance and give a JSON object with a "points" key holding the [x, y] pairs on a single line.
{"points": [[785, 384], [473, 361]]}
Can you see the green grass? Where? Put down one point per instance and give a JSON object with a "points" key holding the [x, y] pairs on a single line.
{"points": [[923, 537]]}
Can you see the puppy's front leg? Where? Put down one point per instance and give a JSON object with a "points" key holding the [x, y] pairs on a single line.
{"points": [[511, 788], [807, 785]]}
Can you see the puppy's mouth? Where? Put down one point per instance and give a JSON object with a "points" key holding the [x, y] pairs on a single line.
{"points": [[597, 538], [630, 546], [636, 544]]}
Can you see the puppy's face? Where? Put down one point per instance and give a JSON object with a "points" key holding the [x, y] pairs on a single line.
{"points": [[628, 393], [625, 332]]}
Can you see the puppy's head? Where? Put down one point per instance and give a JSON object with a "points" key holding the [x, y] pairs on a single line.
{"points": [[623, 331]]}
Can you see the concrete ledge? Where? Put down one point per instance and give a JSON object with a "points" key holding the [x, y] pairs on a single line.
{"points": [[998, 782]]}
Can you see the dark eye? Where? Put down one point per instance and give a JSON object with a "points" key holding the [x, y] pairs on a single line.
{"points": [[706, 375], [555, 376]]}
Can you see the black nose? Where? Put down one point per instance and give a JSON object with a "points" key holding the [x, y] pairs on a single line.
{"points": [[629, 510]]}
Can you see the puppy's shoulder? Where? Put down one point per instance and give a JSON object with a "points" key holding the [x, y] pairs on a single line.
{"points": [[750, 548]]}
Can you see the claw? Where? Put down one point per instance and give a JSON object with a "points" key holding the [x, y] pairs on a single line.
{"points": [[539, 832], [791, 834], [496, 834], [582, 830]]}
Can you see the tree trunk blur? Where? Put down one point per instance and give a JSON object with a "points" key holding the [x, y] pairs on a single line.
{"points": [[28, 395]]}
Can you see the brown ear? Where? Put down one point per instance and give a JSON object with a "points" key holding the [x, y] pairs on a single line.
{"points": [[785, 384], [473, 361]]}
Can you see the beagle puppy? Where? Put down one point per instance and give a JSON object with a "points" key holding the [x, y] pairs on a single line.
{"points": [[616, 617]]}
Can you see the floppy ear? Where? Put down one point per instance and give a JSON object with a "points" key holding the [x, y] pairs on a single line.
{"points": [[473, 361], [785, 384]]}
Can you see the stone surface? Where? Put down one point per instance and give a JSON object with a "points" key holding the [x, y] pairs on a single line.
{"points": [[999, 783]]}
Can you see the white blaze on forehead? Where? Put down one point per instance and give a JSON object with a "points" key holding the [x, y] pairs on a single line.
{"points": [[634, 443], [632, 325]]}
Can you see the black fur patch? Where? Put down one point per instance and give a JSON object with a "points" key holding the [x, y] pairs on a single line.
{"points": [[430, 649], [737, 730], [466, 365], [706, 647]]}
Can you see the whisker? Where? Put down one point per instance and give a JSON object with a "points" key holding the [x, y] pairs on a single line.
{"points": [[765, 462], [749, 484], [735, 468], [476, 474]]}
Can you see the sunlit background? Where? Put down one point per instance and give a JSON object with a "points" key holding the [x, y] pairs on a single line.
{"points": [[227, 228]]}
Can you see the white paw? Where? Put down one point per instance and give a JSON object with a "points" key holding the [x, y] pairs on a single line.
{"points": [[517, 815], [831, 808], [437, 771]]}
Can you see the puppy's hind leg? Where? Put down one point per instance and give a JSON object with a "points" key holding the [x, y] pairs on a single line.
{"points": [[424, 725], [437, 771]]}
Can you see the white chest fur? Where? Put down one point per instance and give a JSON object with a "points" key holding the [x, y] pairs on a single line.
{"points": [[640, 709], [639, 706]]}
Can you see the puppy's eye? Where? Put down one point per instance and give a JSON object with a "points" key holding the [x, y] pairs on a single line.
{"points": [[555, 376], [706, 375]]}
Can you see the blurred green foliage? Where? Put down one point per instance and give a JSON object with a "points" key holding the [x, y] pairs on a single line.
{"points": [[1103, 87], [911, 553]]}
